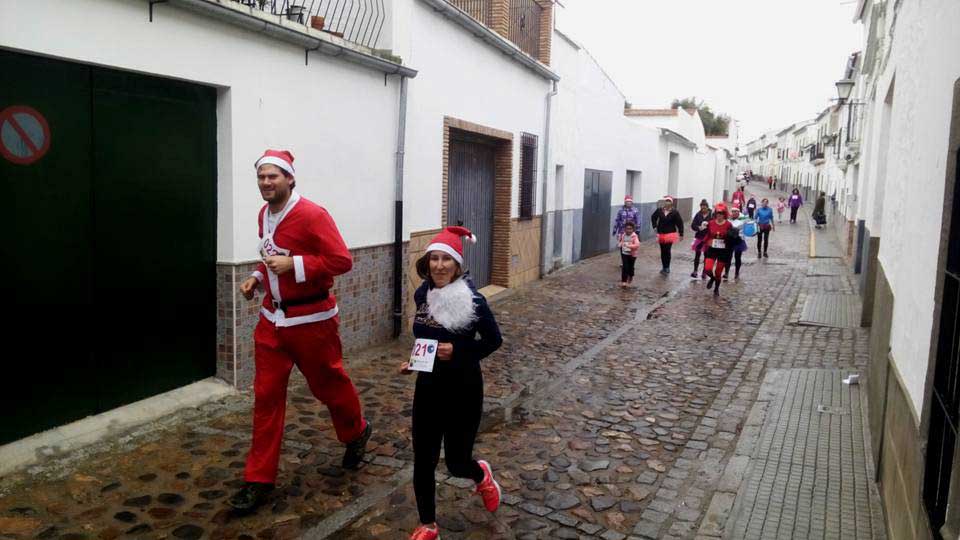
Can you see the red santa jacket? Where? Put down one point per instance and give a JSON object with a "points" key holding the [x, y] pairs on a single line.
{"points": [[306, 232]]}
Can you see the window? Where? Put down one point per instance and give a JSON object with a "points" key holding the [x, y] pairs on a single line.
{"points": [[528, 175], [632, 187]]}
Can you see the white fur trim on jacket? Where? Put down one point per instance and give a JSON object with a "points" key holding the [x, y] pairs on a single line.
{"points": [[452, 305]]}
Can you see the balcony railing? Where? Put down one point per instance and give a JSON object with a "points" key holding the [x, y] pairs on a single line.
{"points": [[523, 20], [525, 26], [359, 21]]}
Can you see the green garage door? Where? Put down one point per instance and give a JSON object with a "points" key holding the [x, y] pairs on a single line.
{"points": [[111, 239]]}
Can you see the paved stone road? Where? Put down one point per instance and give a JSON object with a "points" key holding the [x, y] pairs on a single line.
{"points": [[609, 413]]}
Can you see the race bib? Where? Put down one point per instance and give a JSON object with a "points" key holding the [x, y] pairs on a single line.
{"points": [[268, 248], [423, 354], [719, 243]]}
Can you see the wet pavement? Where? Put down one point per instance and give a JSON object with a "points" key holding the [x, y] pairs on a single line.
{"points": [[609, 413]]}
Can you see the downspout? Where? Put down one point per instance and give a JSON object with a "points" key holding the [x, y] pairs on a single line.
{"points": [[543, 189], [398, 213]]}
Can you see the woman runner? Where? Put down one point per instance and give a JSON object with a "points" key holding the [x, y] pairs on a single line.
{"points": [[721, 236], [448, 400], [699, 226], [737, 221]]}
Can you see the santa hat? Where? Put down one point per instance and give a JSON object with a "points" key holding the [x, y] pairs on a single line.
{"points": [[668, 198], [627, 199], [720, 208], [280, 158], [449, 241]]}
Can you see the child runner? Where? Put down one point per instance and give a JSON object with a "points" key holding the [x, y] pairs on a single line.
{"points": [[699, 226], [720, 235], [629, 245], [781, 206]]}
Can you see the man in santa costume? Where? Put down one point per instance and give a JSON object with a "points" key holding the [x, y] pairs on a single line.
{"points": [[302, 251]]}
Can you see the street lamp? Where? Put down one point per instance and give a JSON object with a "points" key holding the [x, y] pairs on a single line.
{"points": [[844, 87]]}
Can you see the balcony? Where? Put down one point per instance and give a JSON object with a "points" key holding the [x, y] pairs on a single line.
{"points": [[854, 123], [518, 20], [358, 21]]}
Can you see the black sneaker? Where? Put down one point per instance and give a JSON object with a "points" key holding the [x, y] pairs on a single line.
{"points": [[693, 275], [250, 496], [710, 283], [765, 256], [357, 449]]}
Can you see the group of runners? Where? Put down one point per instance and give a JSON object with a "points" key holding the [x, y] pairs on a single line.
{"points": [[721, 234], [302, 251]]}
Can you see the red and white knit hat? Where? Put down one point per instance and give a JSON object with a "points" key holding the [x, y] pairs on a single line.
{"points": [[449, 241], [280, 158], [667, 198], [627, 199]]}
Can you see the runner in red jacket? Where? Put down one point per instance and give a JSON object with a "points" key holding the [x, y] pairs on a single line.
{"points": [[302, 251]]}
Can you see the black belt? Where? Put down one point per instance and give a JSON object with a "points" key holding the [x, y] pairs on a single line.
{"points": [[300, 301]]}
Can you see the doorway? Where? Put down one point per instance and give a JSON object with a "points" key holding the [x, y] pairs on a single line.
{"points": [[470, 199], [596, 213], [118, 220]]}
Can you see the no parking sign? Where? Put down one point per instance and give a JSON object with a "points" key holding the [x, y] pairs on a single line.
{"points": [[24, 134]]}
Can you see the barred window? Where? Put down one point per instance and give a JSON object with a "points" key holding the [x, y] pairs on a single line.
{"points": [[528, 175]]}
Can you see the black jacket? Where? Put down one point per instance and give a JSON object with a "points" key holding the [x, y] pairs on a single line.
{"points": [[669, 223], [471, 345], [698, 220]]}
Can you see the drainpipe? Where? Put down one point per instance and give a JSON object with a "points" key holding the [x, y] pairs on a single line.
{"points": [[543, 189], [398, 213]]}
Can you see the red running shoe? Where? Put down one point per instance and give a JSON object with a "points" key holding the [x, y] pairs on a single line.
{"points": [[426, 532], [489, 489]]}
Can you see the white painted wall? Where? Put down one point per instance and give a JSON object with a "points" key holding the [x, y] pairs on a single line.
{"points": [[926, 60], [589, 131], [338, 119], [462, 77]]}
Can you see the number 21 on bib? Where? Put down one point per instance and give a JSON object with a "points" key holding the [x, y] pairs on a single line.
{"points": [[423, 355]]}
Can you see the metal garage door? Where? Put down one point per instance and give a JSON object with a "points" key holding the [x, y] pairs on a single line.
{"points": [[596, 213], [470, 200], [112, 244]]}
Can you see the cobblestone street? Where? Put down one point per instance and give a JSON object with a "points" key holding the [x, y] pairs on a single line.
{"points": [[610, 413]]}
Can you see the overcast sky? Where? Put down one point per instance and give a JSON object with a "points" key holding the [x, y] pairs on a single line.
{"points": [[767, 63]]}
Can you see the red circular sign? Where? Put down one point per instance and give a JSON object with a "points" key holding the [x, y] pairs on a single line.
{"points": [[24, 134]]}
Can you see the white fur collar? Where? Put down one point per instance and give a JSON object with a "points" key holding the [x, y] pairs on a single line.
{"points": [[452, 305]]}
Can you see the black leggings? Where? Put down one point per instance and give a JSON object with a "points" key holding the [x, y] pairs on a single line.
{"points": [[696, 260], [665, 254], [737, 262], [446, 410], [793, 214], [626, 273], [763, 241]]}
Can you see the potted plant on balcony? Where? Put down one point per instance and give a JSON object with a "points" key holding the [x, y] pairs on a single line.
{"points": [[296, 12]]}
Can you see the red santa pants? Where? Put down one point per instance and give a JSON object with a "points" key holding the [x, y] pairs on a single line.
{"points": [[315, 349], [714, 268]]}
